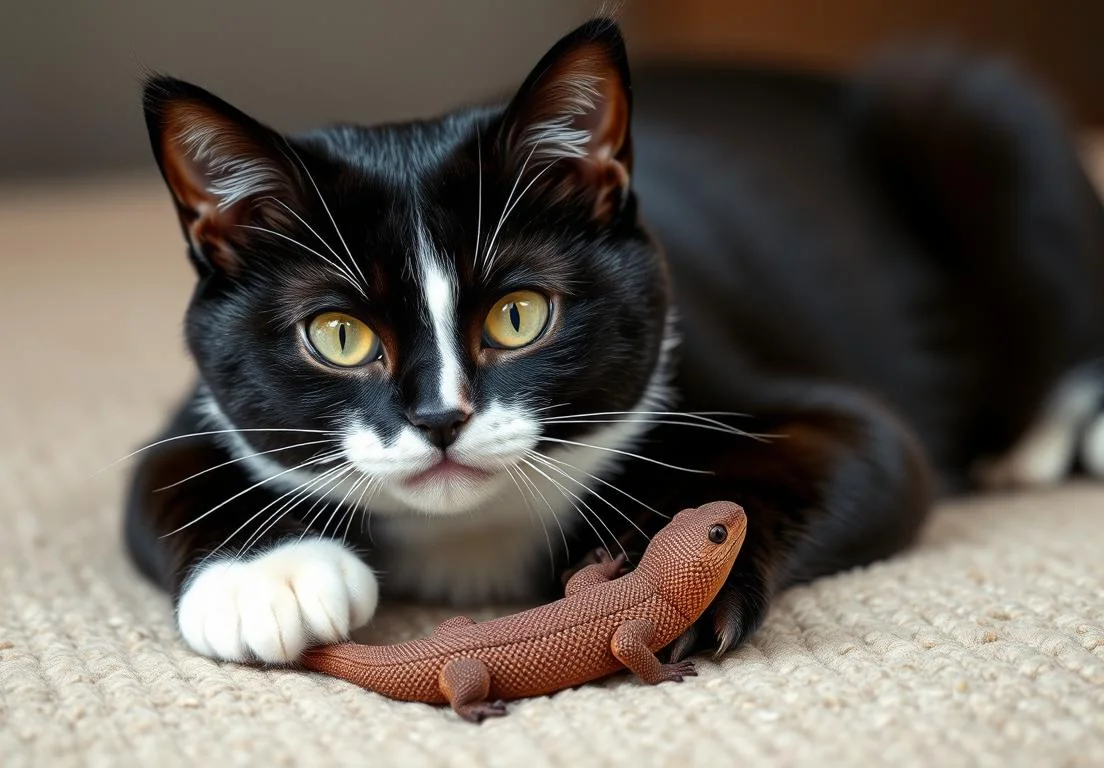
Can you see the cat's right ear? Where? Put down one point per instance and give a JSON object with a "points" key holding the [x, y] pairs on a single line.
{"points": [[225, 170]]}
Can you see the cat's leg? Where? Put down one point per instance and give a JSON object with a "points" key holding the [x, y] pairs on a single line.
{"points": [[843, 484], [288, 590], [1068, 430], [985, 171]]}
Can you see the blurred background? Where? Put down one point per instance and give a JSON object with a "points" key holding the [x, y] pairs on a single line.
{"points": [[70, 71]]}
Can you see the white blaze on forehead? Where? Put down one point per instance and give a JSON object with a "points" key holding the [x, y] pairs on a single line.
{"points": [[439, 287]]}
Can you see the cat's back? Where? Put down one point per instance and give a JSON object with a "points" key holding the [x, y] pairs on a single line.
{"points": [[779, 249]]}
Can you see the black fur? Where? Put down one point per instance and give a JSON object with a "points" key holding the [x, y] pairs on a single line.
{"points": [[891, 272]]}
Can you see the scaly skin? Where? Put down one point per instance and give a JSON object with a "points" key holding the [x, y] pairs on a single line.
{"points": [[605, 623]]}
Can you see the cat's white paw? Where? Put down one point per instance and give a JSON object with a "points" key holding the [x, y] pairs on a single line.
{"points": [[270, 608]]}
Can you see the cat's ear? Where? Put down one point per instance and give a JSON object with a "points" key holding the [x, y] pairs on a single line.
{"points": [[225, 170], [573, 112]]}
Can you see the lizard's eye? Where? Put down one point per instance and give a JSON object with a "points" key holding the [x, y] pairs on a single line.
{"points": [[718, 533]]}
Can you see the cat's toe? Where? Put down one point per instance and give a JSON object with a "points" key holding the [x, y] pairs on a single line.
{"points": [[269, 608]]}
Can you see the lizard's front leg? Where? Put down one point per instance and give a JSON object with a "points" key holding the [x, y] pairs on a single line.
{"points": [[466, 683], [631, 645], [596, 573]]}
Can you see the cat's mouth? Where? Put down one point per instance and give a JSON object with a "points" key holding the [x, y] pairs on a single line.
{"points": [[446, 470]]}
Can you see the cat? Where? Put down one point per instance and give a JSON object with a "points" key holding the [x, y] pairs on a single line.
{"points": [[448, 360]]}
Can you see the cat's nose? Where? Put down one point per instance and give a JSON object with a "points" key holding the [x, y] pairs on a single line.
{"points": [[441, 427]]}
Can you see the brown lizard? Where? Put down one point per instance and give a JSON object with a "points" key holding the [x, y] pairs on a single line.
{"points": [[605, 623]]}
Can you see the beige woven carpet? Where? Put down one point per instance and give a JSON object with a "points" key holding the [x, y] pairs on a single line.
{"points": [[983, 646]]}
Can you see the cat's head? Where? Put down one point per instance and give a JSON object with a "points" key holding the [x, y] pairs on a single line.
{"points": [[437, 298]]}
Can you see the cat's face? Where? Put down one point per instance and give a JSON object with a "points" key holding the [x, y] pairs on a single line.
{"points": [[436, 299]]}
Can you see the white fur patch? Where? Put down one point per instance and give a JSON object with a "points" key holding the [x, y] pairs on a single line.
{"points": [[440, 289], [556, 136], [1046, 452], [1092, 448], [233, 172], [272, 607], [440, 295]]}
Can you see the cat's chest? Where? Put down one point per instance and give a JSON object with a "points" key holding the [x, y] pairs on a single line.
{"points": [[507, 556]]}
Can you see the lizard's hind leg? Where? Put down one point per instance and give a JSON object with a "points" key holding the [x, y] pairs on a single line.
{"points": [[466, 683]]}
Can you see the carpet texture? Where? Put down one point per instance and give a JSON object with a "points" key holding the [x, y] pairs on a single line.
{"points": [[982, 646]]}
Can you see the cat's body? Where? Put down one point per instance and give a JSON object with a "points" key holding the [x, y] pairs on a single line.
{"points": [[895, 278]]}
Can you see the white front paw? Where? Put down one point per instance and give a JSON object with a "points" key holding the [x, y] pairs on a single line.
{"points": [[270, 608]]}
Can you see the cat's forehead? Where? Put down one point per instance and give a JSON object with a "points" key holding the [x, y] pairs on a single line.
{"points": [[404, 153]]}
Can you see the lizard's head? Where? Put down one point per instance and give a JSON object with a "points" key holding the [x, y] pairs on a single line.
{"points": [[691, 557]]}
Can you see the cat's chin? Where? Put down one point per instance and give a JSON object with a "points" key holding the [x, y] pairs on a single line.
{"points": [[440, 490]]}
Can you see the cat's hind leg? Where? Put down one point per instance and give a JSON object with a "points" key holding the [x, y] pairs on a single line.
{"points": [[983, 169], [1067, 433]]}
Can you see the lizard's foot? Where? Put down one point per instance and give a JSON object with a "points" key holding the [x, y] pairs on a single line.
{"points": [[479, 711], [674, 673], [612, 567], [730, 620]]}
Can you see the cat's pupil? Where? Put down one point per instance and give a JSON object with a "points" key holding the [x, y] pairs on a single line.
{"points": [[341, 335], [515, 317]]}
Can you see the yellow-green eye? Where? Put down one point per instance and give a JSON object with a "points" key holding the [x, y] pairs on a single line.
{"points": [[342, 339], [517, 319]]}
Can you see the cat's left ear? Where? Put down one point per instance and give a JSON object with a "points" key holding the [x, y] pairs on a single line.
{"points": [[226, 171], [570, 119]]}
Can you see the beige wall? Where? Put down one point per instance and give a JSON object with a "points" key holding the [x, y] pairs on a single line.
{"points": [[69, 69], [1060, 41]]}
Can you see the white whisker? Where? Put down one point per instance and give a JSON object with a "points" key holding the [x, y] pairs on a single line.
{"points": [[321, 239], [352, 489], [603, 482], [308, 521], [569, 492], [555, 517], [708, 427], [253, 517], [624, 453], [353, 510], [239, 494], [699, 415], [303, 492], [533, 513], [297, 494], [491, 254], [544, 460], [351, 279], [479, 199], [242, 458], [208, 433], [326, 208], [509, 197]]}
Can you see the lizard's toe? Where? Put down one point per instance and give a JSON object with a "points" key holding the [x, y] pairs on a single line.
{"points": [[480, 711], [676, 672]]}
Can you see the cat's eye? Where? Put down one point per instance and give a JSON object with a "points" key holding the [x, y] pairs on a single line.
{"points": [[343, 340], [517, 319]]}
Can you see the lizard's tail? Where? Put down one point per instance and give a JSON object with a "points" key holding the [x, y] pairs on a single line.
{"points": [[362, 665]]}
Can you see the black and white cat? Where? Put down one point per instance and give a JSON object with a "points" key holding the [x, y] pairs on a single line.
{"points": [[447, 359]]}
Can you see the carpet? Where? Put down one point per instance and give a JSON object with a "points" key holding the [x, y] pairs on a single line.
{"points": [[983, 645]]}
